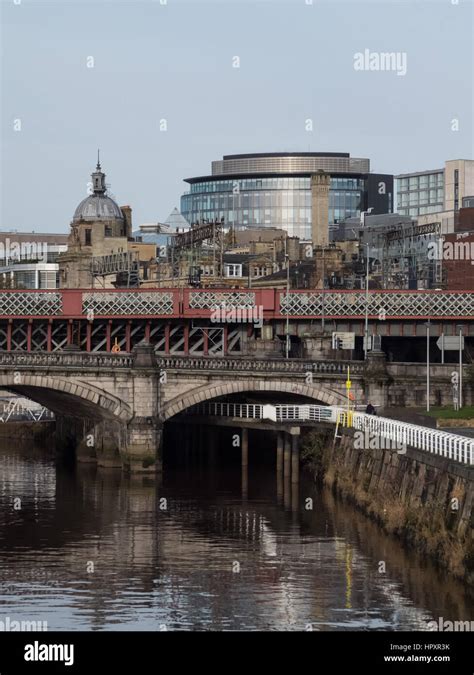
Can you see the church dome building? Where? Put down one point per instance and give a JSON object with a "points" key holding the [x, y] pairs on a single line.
{"points": [[99, 227]]}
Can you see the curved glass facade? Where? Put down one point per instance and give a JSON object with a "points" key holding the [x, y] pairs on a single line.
{"points": [[283, 202]]}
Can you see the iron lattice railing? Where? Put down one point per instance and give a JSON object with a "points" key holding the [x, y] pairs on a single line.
{"points": [[159, 303], [214, 300], [380, 304], [31, 304]]}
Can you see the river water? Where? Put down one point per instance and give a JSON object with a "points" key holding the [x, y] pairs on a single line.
{"points": [[90, 548]]}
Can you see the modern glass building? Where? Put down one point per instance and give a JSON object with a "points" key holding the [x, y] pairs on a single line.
{"points": [[420, 193], [425, 192], [274, 190]]}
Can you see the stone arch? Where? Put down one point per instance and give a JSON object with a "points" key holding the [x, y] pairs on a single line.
{"points": [[66, 396], [217, 389]]}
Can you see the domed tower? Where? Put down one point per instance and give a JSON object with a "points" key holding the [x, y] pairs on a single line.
{"points": [[99, 227]]}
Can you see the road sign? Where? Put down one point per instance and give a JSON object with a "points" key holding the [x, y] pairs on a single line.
{"points": [[343, 340], [450, 343]]}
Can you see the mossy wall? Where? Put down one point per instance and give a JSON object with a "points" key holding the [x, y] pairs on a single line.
{"points": [[424, 499]]}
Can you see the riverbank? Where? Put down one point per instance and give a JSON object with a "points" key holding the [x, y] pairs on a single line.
{"points": [[423, 499]]}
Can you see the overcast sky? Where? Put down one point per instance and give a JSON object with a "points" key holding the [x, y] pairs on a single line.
{"points": [[156, 60]]}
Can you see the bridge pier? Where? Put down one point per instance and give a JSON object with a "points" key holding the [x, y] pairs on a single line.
{"points": [[295, 454], [279, 465], [286, 457], [109, 438], [142, 451], [244, 440]]}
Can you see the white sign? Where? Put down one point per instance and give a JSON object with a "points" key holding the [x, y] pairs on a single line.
{"points": [[450, 342], [342, 340]]}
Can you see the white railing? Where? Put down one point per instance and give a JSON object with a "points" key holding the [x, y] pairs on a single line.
{"points": [[403, 434], [442, 443], [242, 410], [311, 413]]}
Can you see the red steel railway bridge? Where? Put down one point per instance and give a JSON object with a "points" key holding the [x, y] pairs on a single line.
{"points": [[221, 322]]}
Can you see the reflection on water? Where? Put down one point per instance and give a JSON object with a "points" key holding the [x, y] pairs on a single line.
{"points": [[93, 549]]}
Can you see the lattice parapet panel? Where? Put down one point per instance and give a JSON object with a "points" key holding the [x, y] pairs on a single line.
{"points": [[213, 300], [117, 304], [387, 304], [31, 304]]}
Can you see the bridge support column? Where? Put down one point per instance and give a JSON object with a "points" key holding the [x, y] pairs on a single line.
{"points": [[287, 471], [71, 438], [142, 451], [287, 457], [279, 451], [109, 437], [279, 465], [245, 462], [295, 454]]}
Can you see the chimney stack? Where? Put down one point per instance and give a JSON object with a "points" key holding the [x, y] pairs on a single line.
{"points": [[320, 208]]}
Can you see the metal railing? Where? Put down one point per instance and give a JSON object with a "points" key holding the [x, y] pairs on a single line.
{"points": [[442, 443], [405, 435]]}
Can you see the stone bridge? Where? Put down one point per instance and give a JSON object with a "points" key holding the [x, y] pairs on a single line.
{"points": [[110, 408]]}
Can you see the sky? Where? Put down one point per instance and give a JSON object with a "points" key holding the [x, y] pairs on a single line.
{"points": [[164, 87]]}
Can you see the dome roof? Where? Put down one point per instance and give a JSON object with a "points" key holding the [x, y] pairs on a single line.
{"points": [[98, 207]]}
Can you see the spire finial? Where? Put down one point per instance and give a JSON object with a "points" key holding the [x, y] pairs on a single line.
{"points": [[98, 159]]}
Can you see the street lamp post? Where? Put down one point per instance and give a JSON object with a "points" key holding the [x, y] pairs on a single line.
{"points": [[287, 341], [366, 341], [460, 367], [428, 326], [323, 309]]}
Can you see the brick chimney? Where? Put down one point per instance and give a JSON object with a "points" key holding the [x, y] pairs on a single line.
{"points": [[320, 208], [127, 214]]}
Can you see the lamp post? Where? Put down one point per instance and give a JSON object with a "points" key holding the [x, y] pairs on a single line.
{"points": [[428, 326], [366, 341], [287, 341], [323, 286], [460, 366]]}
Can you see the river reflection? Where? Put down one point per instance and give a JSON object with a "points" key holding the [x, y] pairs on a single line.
{"points": [[94, 549]]}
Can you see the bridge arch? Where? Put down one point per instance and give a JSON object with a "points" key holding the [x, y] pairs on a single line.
{"points": [[218, 389], [66, 396]]}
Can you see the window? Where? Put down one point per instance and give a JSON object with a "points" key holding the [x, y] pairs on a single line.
{"points": [[232, 270], [107, 231], [88, 236]]}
